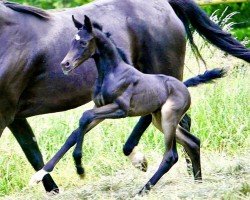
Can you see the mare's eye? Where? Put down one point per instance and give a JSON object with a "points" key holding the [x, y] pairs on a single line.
{"points": [[83, 43]]}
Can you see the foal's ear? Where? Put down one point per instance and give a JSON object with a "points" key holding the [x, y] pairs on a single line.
{"points": [[88, 24], [78, 24]]}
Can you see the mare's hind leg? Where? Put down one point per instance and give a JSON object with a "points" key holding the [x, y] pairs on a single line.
{"points": [[136, 157], [26, 139], [186, 124], [191, 145]]}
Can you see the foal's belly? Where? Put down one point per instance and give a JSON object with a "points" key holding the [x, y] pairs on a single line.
{"points": [[145, 103]]}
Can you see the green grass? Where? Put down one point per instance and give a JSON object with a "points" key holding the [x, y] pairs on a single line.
{"points": [[220, 118], [220, 114]]}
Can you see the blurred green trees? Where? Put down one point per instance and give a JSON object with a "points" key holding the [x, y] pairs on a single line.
{"points": [[241, 19], [50, 4]]}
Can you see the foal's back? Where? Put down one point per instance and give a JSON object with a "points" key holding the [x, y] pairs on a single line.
{"points": [[150, 92]]}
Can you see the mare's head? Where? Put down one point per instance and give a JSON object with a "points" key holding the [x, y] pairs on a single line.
{"points": [[82, 47]]}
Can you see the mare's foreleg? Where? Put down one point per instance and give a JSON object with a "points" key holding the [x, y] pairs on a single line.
{"points": [[137, 158], [26, 139]]}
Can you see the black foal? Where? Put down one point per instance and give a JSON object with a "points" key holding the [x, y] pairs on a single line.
{"points": [[122, 91]]}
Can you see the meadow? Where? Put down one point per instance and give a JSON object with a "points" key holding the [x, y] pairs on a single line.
{"points": [[220, 118]]}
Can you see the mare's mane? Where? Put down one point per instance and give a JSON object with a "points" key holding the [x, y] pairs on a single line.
{"points": [[108, 35], [28, 10]]}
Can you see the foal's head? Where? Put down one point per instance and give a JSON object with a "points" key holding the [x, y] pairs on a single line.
{"points": [[82, 47]]}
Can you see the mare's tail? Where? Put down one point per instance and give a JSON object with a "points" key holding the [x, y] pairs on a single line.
{"points": [[207, 77], [189, 12]]}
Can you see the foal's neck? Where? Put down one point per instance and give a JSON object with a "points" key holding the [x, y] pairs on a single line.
{"points": [[107, 56]]}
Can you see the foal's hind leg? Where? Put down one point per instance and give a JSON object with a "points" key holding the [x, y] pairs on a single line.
{"points": [[171, 114], [26, 139], [186, 124], [191, 145], [137, 158]]}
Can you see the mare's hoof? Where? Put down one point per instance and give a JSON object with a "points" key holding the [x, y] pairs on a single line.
{"points": [[53, 192], [80, 172], [37, 177], [142, 164], [138, 160]]}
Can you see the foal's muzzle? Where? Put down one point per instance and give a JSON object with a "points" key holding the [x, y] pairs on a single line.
{"points": [[66, 67]]}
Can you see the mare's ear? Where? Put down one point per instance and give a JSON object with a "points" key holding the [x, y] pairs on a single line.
{"points": [[88, 24], [78, 24]]}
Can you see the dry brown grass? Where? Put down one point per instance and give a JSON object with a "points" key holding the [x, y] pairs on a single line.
{"points": [[225, 177]]}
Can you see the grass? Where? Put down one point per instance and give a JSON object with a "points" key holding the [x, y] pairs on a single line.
{"points": [[220, 114]]}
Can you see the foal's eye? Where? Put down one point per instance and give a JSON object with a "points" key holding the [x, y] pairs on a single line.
{"points": [[83, 43]]}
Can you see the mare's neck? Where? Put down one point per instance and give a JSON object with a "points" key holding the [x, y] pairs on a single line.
{"points": [[106, 56]]}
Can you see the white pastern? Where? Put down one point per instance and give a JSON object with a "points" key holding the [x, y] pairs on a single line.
{"points": [[37, 177], [137, 158]]}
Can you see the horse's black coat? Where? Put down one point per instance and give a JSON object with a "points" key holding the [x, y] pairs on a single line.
{"points": [[33, 42], [121, 91]]}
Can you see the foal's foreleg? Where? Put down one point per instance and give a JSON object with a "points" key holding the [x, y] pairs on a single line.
{"points": [[37, 177], [137, 158], [77, 153], [88, 121]]}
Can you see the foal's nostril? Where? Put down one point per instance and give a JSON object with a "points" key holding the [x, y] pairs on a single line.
{"points": [[67, 65]]}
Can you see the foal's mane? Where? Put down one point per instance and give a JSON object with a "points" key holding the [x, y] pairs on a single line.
{"points": [[108, 35], [28, 10]]}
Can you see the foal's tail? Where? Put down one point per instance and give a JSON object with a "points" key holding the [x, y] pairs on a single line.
{"points": [[207, 77], [189, 12]]}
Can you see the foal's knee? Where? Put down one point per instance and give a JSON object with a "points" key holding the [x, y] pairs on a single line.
{"points": [[86, 118]]}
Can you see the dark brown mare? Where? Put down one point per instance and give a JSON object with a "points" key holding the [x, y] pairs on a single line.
{"points": [[33, 42], [122, 91]]}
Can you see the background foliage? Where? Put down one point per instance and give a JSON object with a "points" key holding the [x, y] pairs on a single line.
{"points": [[241, 19], [50, 4]]}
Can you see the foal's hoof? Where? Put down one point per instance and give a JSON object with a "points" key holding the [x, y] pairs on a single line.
{"points": [[37, 177], [145, 190], [198, 180], [138, 160], [80, 172]]}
